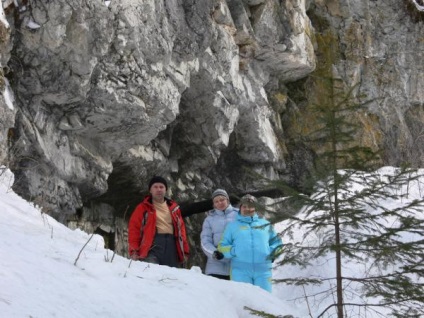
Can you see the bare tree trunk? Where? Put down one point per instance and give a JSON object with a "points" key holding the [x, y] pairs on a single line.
{"points": [[338, 270]]}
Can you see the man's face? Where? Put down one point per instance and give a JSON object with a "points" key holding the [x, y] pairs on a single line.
{"points": [[220, 202], [158, 191]]}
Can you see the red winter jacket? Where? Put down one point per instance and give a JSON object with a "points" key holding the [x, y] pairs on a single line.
{"points": [[142, 229]]}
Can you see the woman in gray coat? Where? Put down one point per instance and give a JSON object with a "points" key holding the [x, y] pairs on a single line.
{"points": [[212, 229]]}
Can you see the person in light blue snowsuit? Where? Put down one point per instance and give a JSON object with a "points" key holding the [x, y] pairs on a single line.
{"points": [[212, 229], [252, 245]]}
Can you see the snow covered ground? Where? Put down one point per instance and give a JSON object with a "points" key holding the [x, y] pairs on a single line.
{"points": [[43, 274], [39, 277]]}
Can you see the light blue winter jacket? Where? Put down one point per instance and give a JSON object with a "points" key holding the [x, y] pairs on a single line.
{"points": [[212, 229], [250, 242]]}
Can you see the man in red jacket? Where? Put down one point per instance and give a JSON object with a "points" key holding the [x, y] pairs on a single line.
{"points": [[156, 230]]}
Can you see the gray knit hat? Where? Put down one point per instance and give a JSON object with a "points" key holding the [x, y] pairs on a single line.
{"points": [[220, 192]]}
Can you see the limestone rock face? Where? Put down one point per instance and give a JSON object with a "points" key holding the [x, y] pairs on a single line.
{"points": [[136, 88], [380, 46], [7, 108], [107, 94]]}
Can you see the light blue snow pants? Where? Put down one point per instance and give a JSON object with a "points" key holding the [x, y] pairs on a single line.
{"points": [[261, 278]]}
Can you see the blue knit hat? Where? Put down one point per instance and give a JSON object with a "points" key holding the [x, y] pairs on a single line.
{"points": [[158, 179]]}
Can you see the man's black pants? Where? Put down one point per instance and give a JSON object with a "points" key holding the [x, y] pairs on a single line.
{"points": [[163, 251]]}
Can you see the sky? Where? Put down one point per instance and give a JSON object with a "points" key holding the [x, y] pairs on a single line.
{"points": [[49, 270]]}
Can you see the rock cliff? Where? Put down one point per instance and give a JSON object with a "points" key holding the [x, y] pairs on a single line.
{"points": [[98, 96]]}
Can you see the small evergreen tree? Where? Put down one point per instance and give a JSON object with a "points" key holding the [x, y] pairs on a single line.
{"points": [[347, 217]]}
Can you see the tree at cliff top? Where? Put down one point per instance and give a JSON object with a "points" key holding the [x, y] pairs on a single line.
{"points": [[346, 220]]}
